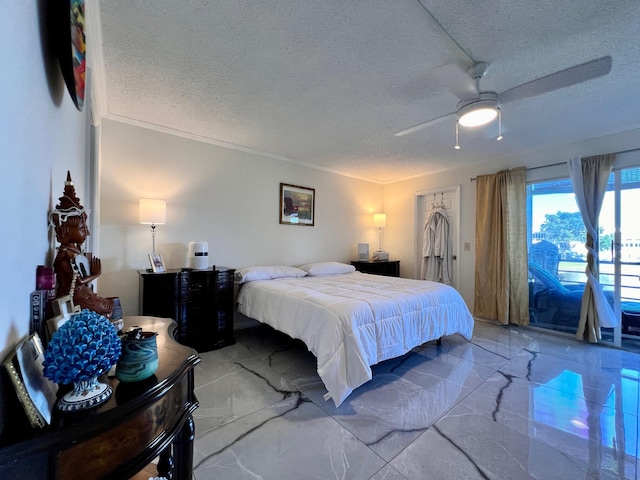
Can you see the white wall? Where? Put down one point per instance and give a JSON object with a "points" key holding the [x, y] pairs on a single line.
{"points": [[399, 200], [42, 135], [227, 198]]}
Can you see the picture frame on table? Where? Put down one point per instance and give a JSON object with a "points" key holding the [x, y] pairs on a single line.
{"points": [[297, 205], [157, 263], [36, 393], [63, 308]]}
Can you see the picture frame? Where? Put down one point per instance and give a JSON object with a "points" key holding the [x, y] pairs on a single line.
{"points": [[63, 308], [36, 393], [297, 205], [157, 263]]}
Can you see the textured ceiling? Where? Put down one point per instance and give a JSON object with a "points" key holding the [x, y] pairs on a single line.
{"points": [[327, 83]]}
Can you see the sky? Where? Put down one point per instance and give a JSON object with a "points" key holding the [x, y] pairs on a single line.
{"points": [[565, 202]]}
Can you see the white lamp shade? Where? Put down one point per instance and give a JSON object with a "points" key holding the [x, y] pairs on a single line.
{"points": [[153, 212], [379, 219]]}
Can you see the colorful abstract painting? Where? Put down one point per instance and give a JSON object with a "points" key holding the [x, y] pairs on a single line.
{"points": [[78, 51]]}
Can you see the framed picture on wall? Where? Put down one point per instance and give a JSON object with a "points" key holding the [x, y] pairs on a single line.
{"points": [[157, 263], [297, 205]]}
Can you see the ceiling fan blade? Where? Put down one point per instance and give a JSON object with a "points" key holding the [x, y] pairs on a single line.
{"points": [[420, 126], [454, 77], [564, 78]]}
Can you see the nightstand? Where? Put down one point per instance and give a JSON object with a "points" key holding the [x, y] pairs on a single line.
{"points": [[389, 268], [200, 301]]}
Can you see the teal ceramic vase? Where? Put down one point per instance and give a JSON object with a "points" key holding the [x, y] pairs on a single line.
{"points": [[139, 359]]}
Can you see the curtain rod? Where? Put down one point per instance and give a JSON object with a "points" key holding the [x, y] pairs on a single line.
{"points": [[472, 179]]}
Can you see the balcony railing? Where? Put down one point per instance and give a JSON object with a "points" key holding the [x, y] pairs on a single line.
{"points": [[571, 272]]}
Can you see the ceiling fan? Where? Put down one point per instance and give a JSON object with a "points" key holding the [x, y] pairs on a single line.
{"points": [[481, 107]]}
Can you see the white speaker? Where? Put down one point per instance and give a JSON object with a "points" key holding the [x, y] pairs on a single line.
{"points": [[363, 252], [198, 255]]}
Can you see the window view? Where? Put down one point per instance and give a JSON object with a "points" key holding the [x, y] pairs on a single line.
{"points": [[557, 256]]}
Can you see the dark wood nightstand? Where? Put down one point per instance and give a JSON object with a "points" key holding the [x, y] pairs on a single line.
{"points": [[389, 268], [200, 301]]}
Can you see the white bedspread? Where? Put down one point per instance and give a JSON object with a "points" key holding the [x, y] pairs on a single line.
{"points": [[352, 321]]}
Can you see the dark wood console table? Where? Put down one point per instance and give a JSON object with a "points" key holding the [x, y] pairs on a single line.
{"points": [[141, 421]]}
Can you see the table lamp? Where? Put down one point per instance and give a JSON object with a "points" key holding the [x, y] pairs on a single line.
{"points": [[153, 212], [380, 221]]}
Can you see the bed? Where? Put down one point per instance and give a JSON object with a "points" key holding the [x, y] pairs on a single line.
{"points": [[351, 320]]}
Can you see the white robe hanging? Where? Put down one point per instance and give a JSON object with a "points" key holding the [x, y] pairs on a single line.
{"points": [[436, 247]]}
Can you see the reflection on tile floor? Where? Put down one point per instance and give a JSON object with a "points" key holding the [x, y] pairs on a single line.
{"points": [[511, 404]]}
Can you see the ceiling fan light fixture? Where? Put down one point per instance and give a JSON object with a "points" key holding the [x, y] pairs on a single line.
{"points": [[480, 111]]}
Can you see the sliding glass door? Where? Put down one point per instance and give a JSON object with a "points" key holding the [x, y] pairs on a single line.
{"points": [[557, 256], [620, 254]]}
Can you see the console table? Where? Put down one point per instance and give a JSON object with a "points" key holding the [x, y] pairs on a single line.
{"points": [[141, 421], [389, 268], [200, 301]]}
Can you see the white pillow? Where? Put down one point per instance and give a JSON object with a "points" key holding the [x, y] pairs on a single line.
{"points": [[327, 268], [248, 274]]}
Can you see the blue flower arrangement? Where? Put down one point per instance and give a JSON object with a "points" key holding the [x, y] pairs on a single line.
{"points": [[86, 346]]}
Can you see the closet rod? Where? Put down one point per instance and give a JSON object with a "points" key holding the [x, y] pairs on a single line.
{"points": [[472, 179]]}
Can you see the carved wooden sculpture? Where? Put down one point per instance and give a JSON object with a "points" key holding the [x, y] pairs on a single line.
{"points": [[75, 269]]}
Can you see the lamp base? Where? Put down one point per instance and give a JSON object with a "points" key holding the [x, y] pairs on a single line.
{"points": [[381, 256]]}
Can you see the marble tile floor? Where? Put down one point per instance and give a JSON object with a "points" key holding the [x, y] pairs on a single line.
{"points": [[511, 404]]}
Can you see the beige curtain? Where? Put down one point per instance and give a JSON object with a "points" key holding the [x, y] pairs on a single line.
{"points": [[589, 177], [501, 281]]}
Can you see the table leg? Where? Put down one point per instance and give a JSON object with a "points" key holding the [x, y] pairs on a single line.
{"points": [[165, 464], [183, 450]]}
